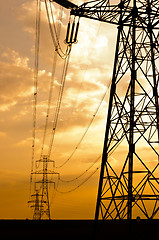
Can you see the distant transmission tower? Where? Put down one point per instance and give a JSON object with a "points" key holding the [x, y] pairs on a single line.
{"points": [[42, 173], [129, 178], [40, 199]]}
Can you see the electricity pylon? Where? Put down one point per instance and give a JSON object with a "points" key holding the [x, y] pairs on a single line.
{"points": [[40, 198], [129, 178]]}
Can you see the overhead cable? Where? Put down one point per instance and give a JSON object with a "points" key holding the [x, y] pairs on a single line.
{"points": [[58, 105], [49, 101], [86, 130], [71, 180], [75, 188], [36, 67], [54, 35], [55, 38]]}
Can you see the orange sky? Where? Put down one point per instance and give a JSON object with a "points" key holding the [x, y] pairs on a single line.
{"points": [[89, 74]]}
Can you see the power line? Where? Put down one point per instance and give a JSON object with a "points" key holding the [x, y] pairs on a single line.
{"points": [[86, 130], [49, 100], [55, 38], [57, 46], [44, 158], [75, 188], [71, 180], [56, 43], [54, 35], [36, 67], [58, 105]]}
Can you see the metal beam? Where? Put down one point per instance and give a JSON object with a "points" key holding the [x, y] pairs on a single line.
{"points": [[65, 3]]}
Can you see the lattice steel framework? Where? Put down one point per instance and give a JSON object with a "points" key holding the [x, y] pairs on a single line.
{"points": [[129, 178], [40, 199]]}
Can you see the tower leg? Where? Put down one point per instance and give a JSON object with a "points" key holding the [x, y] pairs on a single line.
{"points": [[104, 156]]}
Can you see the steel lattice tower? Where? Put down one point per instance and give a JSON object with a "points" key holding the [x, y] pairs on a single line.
{"points": [[40, 198], [129, 178]]}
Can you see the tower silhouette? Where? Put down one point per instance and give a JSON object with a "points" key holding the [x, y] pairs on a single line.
{"points": [[40, 201], [129, 178]]}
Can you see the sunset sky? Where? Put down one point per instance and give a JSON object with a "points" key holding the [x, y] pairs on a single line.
{"points": [[88, 77]]}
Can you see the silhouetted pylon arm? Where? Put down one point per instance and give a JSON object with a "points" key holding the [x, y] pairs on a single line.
{"points": [[105, 11], [65, 3], [102, 11], [97, 10]]}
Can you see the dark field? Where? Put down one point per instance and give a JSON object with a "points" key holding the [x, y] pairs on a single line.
{"points": [[79, 229]]}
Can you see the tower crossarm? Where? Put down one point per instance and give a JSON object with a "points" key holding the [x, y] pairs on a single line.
{"points": [[105, 11], [41, 172], [120, 14], [65, 3]]}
